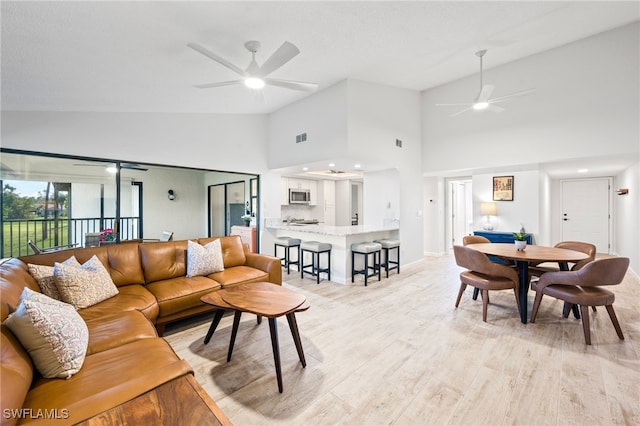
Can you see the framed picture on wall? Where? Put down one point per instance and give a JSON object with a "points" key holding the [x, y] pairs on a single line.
{"points": [[503, 188]]}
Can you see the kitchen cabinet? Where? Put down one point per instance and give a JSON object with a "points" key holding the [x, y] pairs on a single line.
{"points": [[247, 235], [329, 201], [284, 191], [313, 192]]}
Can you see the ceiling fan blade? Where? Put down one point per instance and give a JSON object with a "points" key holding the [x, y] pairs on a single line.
{"points": [[461, 112], [485, 92], [221, 83], [215, 57], [289, 84], [133, 166], [460, 104], [494, 108], [512, 95], [284, 54]]}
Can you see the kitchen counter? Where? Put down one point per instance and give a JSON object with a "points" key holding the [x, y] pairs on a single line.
{"points": [[340, 238], [332, 230]]}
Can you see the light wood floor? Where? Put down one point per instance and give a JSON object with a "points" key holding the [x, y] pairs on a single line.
{"points": [[398, 352]]}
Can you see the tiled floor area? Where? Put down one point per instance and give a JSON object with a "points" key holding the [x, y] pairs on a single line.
{"points": [[398, 352]]}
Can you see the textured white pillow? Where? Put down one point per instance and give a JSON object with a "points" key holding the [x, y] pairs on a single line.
{"points": [[84, 286], [44, 276], [204, 260], [53, 333]]}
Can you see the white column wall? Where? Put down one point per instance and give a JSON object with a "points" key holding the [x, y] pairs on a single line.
{"points": [[378, 115], [322, 116]]}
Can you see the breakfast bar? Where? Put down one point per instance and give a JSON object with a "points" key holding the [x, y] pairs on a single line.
{"points": [[340, 238]]}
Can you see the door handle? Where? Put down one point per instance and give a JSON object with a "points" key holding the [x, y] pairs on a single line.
{"points": [[565, 219]]}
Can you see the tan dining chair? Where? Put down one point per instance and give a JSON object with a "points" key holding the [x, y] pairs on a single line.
{"points": [[586, 248], [474, 239], [484, 275], [584, 288]]}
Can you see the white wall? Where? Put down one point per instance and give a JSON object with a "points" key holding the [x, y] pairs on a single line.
{"points": [[186, 215], [544, 210], [586, 105], [512, 215], [434, 216], [343, 203], [209, 141], [626, 210], [378, 115], [381, 199], [323, 116]]}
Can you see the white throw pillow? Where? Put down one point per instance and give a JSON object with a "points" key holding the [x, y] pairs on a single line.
{"points": [[43, 274], [53, 333], [84, 286], [204, 260]]}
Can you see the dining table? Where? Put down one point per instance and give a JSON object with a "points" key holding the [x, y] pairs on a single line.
{"points": [[522, 258]]}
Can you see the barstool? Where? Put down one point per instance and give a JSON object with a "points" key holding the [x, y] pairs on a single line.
{"points": [[287, 243], [366, 249], [387, 246], [316, 248]]}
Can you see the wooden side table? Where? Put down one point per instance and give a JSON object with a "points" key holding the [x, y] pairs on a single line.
{"points": [[265, 300]]}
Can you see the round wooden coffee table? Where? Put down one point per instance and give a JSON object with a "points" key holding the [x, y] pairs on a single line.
{"points": [[265, 300]]}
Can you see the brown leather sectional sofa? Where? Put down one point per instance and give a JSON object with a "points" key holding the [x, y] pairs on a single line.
{"points": [[125, 358]]}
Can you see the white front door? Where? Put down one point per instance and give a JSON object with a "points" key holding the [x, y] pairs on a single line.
{"points": [[586, 212]]}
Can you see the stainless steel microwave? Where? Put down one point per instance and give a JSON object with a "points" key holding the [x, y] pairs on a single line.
{"points": [[299, 196]]}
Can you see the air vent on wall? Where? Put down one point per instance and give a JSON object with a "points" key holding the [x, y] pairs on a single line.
{"points": [[302, 137]]}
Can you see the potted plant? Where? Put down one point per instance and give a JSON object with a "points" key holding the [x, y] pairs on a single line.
{"points": [[520, 240], [247, 219]]}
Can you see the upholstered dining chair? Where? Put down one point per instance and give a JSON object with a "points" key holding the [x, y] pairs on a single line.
{"points": [[584, 288], [586, 248], [474, 239], [479, 239], [484, 275]]}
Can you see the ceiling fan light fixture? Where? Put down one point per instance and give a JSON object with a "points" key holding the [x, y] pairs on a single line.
{"points": [[479, 106], [254, 82]]}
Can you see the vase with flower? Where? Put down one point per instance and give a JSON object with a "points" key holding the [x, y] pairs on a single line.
{"points": [[247, 219], [107, 236]]}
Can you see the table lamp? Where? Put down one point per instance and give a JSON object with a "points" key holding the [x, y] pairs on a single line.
{"points": [[488, 210]]}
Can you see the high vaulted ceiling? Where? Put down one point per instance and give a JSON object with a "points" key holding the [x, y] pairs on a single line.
{"points": [[132, 56]]}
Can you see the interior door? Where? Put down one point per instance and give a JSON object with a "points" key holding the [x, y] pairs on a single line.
{"points": [[458, 212], [216, 210], [586, 212]]}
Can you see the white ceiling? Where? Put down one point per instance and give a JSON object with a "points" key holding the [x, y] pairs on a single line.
{"points": [[132, 56]]}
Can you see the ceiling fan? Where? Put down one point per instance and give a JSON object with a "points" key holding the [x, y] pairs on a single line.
{"points": [[483, 101], [255, 76], [112, 168]]}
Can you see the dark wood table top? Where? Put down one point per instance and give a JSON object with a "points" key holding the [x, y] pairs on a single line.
{"points": [[532, 253], [261, 298], [170, 404]]}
